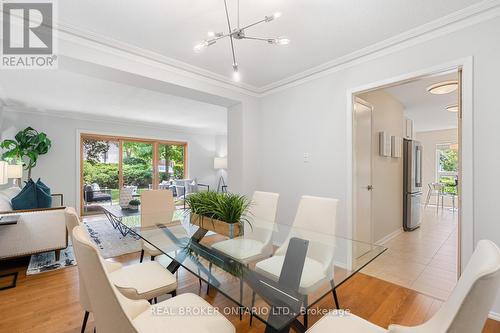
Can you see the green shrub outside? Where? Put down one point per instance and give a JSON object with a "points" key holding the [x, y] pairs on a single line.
{"points": [[106, 174]]}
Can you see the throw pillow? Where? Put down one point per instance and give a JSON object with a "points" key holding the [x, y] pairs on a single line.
{"points": [[10, 192], [6, 197], [5, 205], [27, 198], [43, 196]]}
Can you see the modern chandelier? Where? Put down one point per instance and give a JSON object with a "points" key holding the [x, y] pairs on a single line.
{"points": [[239, 33]]}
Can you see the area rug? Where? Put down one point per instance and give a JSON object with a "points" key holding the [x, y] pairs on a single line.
{"points": [[46, 262], [110, 242]]}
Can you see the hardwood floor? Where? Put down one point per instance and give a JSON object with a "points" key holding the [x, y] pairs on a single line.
{"points": [[48, 302]]}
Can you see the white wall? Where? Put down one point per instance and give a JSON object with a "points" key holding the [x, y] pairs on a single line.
{"points": [[387, 172], [58, 167], [75, 54], [430, 139], [311, 117]]}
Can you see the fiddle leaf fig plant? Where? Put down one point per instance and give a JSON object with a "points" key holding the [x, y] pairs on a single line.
{"points": [[26, 146]]}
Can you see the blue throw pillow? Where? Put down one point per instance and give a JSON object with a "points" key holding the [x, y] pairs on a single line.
{"points": [[27, 198], [43, 195]]}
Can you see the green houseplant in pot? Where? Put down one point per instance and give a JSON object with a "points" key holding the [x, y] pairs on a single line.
{"points": [[27, 146], [223, 213], [134, 204]]}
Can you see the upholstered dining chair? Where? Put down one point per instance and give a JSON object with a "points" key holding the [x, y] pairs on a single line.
{"points": [[314, 215], [465, 311], [144, 281], [157, 207], [113, 312], [256, 240]]}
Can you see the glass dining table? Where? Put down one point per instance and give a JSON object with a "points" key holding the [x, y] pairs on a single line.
{"points": [[274, 272]]}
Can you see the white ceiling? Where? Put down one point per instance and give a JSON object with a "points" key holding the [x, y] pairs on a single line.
{"points": [[427, 111], [320, 30], [62, 91]]}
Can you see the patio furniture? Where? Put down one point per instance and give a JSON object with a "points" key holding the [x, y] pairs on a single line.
{"points": [[92, 193], [184, 187]]}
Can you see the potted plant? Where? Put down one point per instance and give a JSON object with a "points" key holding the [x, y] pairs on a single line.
{"points": [[134, 204], [27, 146], [223, 213]]}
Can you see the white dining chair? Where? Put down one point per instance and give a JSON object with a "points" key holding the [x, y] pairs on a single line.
{"points": [[255, 243], [437, 190], [145, 281], [157, 207], [465, 311], [315, 216], [113, 312]]}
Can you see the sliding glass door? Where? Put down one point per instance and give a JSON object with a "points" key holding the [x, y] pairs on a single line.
{"points": [[109, 163], [137, 165], [171, 160], [100, 173]]}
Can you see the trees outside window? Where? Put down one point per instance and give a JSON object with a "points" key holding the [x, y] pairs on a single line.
{"points": [[447, 166], [101, 163]]}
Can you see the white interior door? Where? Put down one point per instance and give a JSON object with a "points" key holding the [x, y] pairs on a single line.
{"points": [[362, 212]]}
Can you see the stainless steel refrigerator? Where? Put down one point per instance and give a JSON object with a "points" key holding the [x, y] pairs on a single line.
{"points": [[412, 184]]}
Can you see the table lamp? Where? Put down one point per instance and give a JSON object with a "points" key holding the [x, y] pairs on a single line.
{"points": [[15, 171], [3, 173]]}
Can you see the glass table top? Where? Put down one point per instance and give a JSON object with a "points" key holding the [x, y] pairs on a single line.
{"points": [[272, 270]]}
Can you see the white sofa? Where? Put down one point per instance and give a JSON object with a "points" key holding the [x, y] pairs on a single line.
{"points": [[36, 231]]}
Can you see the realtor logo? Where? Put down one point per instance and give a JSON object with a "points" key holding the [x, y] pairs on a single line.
{"points": [[28, 36]]}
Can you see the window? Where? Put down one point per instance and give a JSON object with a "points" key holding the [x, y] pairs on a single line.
{"points": [[447, 166], [109, 163]]}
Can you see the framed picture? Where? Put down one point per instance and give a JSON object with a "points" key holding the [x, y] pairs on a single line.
{"points": [[396, 145], [384, 144]]}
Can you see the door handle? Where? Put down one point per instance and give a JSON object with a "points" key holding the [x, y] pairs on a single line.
{"points": [[369, 187]]}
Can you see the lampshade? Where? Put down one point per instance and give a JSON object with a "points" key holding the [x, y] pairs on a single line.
{"points": [[3, 173], [220, 163], [14, 171]]}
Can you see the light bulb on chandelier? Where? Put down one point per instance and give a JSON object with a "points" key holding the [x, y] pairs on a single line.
{"points": [[279, 41], [236, 73]]}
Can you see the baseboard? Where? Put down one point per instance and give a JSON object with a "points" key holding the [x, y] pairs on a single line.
{"points": [[494, 315], [389, 237]]}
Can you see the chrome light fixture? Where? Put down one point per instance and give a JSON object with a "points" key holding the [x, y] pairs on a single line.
{"points": [[239, 33]]}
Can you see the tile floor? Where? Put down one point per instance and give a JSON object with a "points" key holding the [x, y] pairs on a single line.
{"points": [[424, 260]]}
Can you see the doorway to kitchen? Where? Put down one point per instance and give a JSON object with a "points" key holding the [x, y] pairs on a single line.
{"points": [[406, 179]]}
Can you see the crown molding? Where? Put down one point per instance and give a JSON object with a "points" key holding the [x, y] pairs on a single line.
{"points": [[103, 43], [80, 116], [458, 20], [455, 21]]}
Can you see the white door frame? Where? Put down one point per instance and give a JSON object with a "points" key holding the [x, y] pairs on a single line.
{"points": [[466, 213], [354, 182]]}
